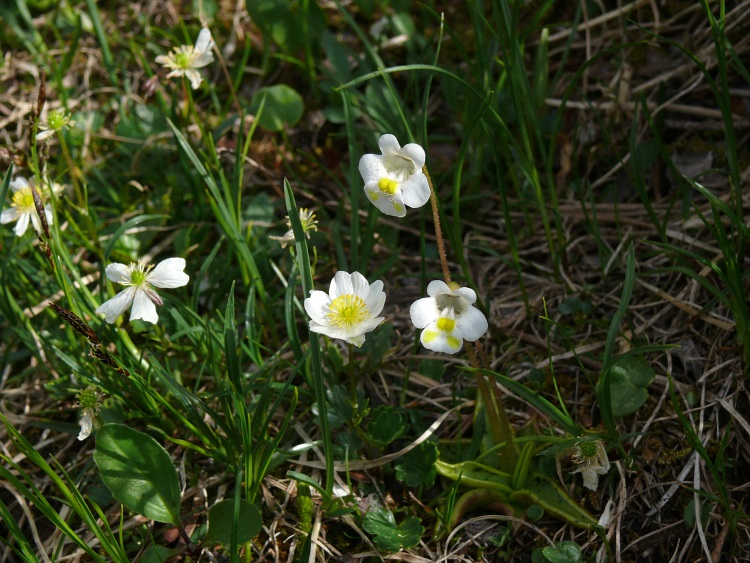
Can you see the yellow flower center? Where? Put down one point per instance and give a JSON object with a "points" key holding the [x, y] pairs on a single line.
{"points": [[24, 200], [388, 186], [347, 311], [446, 325], [184, 56]]}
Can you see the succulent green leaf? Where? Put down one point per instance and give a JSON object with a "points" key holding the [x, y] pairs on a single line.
{"points": [[221, 521], [283, 106], [139, 472]]}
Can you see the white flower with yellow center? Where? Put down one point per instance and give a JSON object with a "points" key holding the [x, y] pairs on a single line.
{"points": [[56, 121], [88, 401], [309, 224], [448, 317], [592, 461], [22, 208], [395, 178], [139, 278], [348, 310], [186, 59]]}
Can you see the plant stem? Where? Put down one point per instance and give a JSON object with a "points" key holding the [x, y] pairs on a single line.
{"points": [[353, 383], [502, 431], [438, 230]]}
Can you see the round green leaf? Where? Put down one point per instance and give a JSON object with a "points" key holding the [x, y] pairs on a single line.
{"points": [[283, 106], [139, 472], [629, 378], [221, 520]]}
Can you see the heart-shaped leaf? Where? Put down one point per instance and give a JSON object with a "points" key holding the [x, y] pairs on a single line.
{"points": [[221, 520]]}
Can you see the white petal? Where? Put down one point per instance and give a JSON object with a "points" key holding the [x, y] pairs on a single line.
{"points": [[316, 305], [360, 285], [22, 225], [87, 424], [415, 191], [204, 42], [375, 298], [390, 205], [356, 340], [202, 60], [118, 273], [423, 312], [467, 293], [9, 215], [389, 144], [415, 153], [169, 273], [41, 136], [371, 168], [143, 308], [163, 60], [436, 287], [341, 284], [194, 76], [48, 214], [116, 306], [472, 323], [440, 341], [370, 324], [36, 222], [18, 183]]}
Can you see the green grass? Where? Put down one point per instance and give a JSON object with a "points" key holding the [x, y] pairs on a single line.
{"points": [[614, 279]]}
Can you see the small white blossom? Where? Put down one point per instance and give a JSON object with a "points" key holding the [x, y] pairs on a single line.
{"points": [[309, 224], [592, 461], [139, 278], [88, 401], [448, 317], [186, 59], [22, 208], [56, 121], [395, 178], [348, 310]]}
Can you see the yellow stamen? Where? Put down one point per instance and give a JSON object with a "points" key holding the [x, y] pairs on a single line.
{"points": [[388, 186], [23, 199], [347, 311]]}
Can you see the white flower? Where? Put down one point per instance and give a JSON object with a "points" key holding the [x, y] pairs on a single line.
{"points": [[22, 208], [185, 59], [348, 310], [87, 423], [591, 458], [88, 401], [56, 121], [448, 317], [395, 178], [309, 224], [139, 278]]}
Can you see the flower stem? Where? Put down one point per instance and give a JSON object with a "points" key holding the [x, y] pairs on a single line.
{"points": [[502, 431], [438, 229]]}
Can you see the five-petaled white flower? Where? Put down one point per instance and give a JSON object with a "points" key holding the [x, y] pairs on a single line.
{"points": [[592, 461], [448, 317], [185, 59], [22, 208], [139, 278], [395, 178], [348, 310], [56, 121]]}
